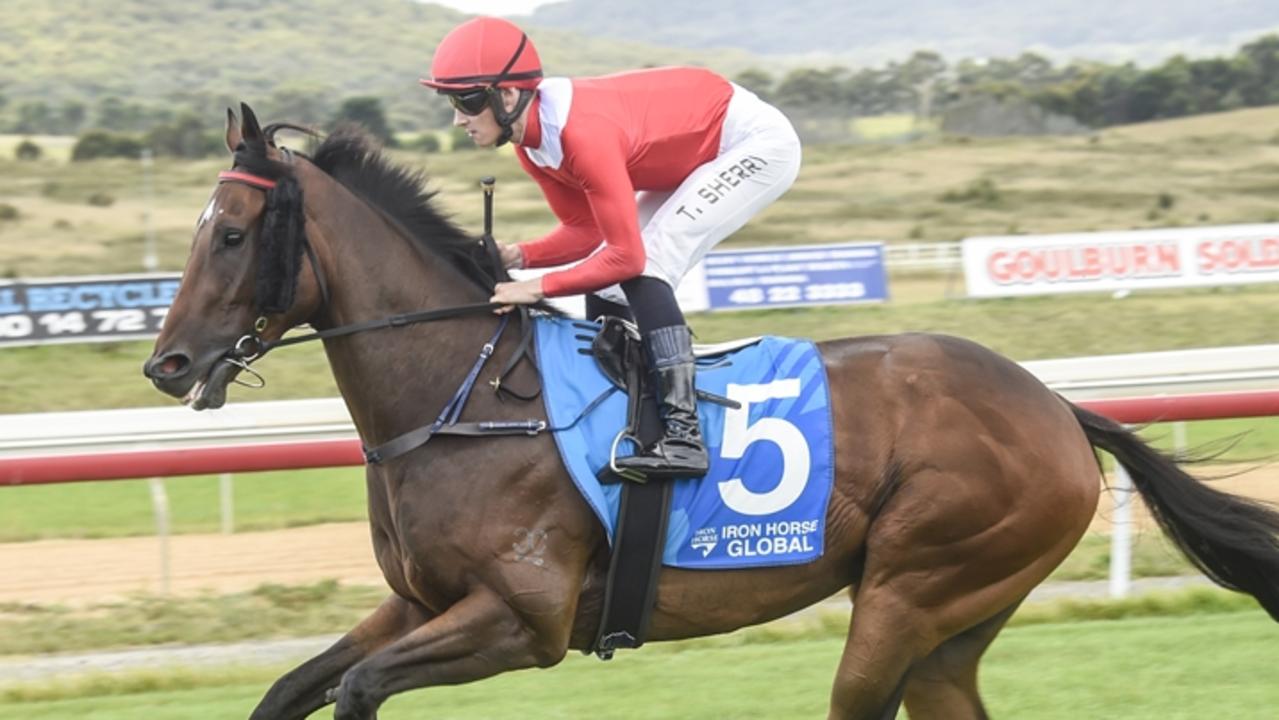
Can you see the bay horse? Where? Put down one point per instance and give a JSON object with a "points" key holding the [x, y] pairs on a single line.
{"points": [[960, 480]]}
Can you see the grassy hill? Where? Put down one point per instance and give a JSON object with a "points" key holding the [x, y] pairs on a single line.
{"points": [[212, 53], [871, 31]]}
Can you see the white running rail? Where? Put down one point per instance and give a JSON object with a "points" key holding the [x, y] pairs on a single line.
{"points": [[1141, 374]]}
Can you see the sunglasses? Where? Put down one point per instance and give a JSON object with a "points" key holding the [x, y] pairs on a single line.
{"points": [[470, 102]]}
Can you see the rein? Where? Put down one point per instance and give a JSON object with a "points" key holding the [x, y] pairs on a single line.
{"points": [[251, 347]]}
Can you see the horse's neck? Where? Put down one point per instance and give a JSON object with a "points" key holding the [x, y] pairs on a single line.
{"points": [[391, 379]]}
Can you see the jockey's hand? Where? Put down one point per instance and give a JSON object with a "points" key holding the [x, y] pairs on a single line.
{"points": [[523, 292], [511, 256]]}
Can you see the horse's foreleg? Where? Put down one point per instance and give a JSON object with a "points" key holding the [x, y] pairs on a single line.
{"points": [[477, 637], [303, 690], [886, 637]]}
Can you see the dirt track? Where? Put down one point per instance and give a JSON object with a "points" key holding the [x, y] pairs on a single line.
{"points": [[82, 571], [79, 571]]}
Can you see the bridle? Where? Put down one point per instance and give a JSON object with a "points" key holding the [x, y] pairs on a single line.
{"points": [[252, 346]]}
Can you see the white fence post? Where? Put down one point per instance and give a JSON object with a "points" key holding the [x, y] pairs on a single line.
{"points": [[160, 503], [1179, 440], [1121, 534], [225, 493]]}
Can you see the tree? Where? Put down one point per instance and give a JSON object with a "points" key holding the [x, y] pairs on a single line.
{"points": [[922, 73], [757, 81], [185, 137], [811, 88], [870, 92], [1258, 70], [1211, 84], [71, 117], [34, 118], [304, 105], [115, 114], [367, 112]]}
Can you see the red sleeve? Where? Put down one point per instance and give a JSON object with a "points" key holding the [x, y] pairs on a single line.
{"points": [[576, 235], [610, 199]]}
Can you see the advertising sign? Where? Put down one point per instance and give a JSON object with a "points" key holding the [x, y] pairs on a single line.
{"points": [[1105, 261], [787, 277], [84, 309]]}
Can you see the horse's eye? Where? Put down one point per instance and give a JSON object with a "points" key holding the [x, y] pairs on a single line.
{"points": [[231, 238]]}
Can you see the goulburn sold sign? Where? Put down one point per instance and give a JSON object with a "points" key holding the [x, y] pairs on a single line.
{"points": [[1106, 261]]}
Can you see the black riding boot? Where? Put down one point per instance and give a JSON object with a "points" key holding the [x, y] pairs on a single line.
{"points": [[680, 452]]}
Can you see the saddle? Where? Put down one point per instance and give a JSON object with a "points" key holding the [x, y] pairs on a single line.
{"points": [[620, 356]]}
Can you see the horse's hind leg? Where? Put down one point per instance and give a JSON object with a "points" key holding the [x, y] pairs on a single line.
{"points": [[304, 690], [943, 686]]}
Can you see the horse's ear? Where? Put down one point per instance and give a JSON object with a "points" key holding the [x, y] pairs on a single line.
{"points": [[232, 131], [250, 129]]}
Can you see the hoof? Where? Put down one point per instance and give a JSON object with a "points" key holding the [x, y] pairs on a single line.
{"points": [[354, 700]]}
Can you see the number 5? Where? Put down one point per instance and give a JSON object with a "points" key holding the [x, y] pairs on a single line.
{"points": [[739, 434]]}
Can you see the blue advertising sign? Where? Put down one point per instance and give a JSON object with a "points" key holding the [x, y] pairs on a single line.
{"points": [[84, 309], [786, 277]]}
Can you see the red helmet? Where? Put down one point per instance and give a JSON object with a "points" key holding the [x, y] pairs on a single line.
{"points": [[482, 52]]}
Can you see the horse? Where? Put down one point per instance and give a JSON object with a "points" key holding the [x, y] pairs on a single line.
{"points": [[960, 480]]}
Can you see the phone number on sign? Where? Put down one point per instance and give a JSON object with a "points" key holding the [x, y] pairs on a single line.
{"points": [[797, 293], [98, 322]]}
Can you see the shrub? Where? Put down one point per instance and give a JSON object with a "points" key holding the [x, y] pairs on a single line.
{"points": [[101, 199], [427, 143], [185, 137], [101, 144], [982, 191], [1166, 201], [27, 150], [459, 140], [8, 212]]}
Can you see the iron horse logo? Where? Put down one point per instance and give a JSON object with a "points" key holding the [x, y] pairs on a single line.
{"points": [[705, 539]]}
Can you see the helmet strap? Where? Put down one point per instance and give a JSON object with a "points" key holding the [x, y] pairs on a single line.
{"points": [[506, 119]]}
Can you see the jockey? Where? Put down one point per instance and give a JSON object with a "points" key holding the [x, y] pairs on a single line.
{"points": [[646, 171]]}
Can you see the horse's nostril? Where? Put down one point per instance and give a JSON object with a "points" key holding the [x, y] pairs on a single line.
{"points": [[173, 364], [168, 366]]}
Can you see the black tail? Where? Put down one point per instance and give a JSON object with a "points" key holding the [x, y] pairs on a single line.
{"points": [[1233, 540]]}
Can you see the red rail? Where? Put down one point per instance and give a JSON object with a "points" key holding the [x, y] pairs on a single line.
{"points": [[172, 462], [1173, 408], [41, 469]]}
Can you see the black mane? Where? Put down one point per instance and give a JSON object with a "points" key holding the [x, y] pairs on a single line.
{"points": [[353, 159]]}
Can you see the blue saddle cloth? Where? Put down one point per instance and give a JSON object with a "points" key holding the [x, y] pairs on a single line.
{"points": [[764, 500]]}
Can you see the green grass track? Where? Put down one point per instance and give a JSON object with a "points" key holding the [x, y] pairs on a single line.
{"points": [[1220, 666]]}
